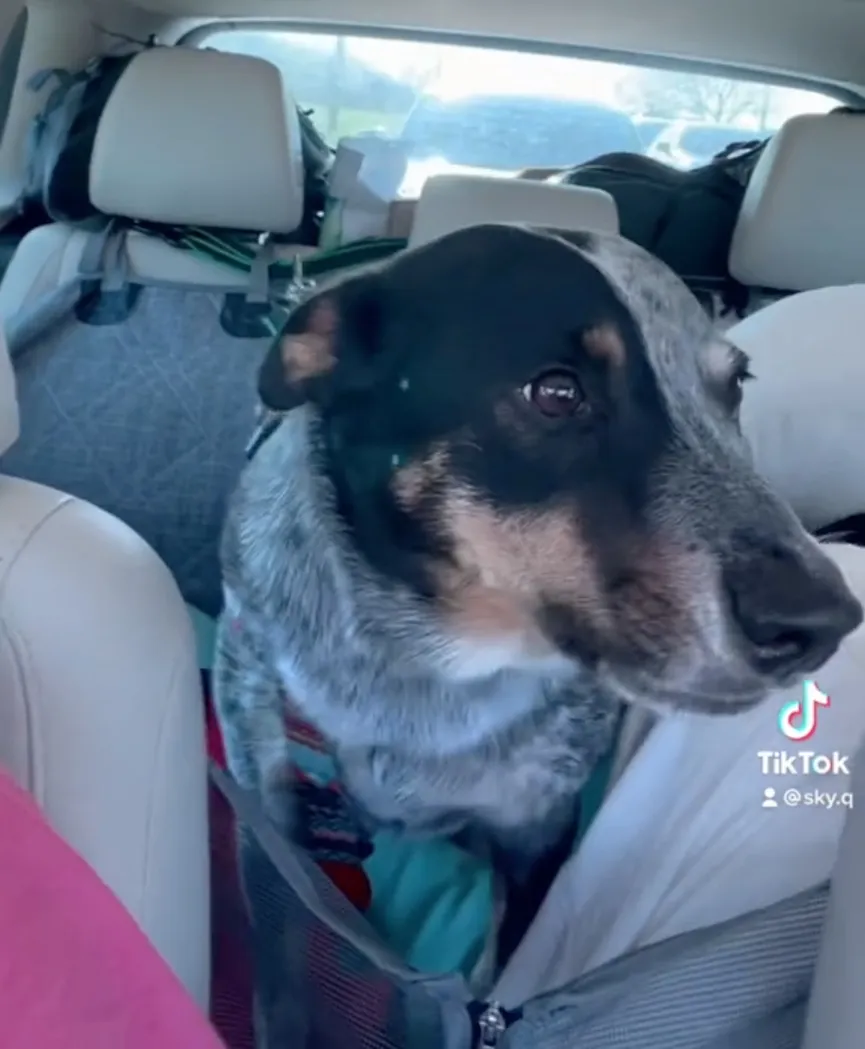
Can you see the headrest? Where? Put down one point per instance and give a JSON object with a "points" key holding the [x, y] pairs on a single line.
{"points": [[803, 414], [451, 202], [802, 222], [204, 138], [8, 399]]}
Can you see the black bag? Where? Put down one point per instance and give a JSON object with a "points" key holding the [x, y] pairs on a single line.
{"points": [[317, 161], [62, 137], [685, 218]]}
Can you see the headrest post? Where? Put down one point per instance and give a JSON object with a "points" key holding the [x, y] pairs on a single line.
{"points": [[299, 287], [259, 271], [9, 422]]}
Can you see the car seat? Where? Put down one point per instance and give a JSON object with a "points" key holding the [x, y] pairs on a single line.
{"points": [[135, 358], [100, 705], [803, 417], [189, 138], [451, 202], [800, 224]]}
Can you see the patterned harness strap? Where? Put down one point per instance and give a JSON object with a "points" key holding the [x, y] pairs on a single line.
{"points": [[327, 828]]}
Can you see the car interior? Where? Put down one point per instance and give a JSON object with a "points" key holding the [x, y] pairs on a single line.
{"points": [[128, 392]]}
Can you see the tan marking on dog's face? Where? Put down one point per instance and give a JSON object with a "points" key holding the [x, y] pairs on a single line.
{"points": [[520, 557], [310, 354], [605, 343], [411, 482], [508, 566], [485, 614]]}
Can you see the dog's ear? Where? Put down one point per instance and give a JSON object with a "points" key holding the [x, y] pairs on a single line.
{"points": [[331, 332]]}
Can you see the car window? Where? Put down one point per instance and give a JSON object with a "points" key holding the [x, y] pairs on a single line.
{"points": [[460, 107], [479, 131], [707, 141], [649, 128]]}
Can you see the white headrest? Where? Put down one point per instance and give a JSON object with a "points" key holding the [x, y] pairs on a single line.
{"points": [[803, 415], [451, 202], [204, 138], [802, 223], [8, 399]]}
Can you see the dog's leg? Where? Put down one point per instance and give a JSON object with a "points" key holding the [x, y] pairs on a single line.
{"points": [[248, 697]]}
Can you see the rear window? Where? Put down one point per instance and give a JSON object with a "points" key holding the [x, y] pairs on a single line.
{"points": [[467, 108], [648, 128], [479, 131], [708, 141]]}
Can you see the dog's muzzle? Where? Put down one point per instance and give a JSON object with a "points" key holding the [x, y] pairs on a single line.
{"points": [[792, 608]]}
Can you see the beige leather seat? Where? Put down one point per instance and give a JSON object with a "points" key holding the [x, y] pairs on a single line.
{"points": [[802, 223], [451, 202], [805, 421], [804, 415], [100, 705], [188, 137], [836, 1016]]}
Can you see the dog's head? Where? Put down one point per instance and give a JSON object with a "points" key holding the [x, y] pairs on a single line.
{"points": [[537, 433]]}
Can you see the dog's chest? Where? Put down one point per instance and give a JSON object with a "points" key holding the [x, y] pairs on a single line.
{"points": [[420, 768], [513, 780], [516, 780]]}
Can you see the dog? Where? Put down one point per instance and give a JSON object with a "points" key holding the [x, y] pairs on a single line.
{"points": [[509, 495]]}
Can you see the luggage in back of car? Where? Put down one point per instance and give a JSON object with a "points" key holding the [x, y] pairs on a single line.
{"points": [[686, 218]]}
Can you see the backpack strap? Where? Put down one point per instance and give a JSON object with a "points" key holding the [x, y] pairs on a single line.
{"points": [[240, 252]]}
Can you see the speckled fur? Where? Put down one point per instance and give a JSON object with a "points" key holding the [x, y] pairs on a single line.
{"points": [[366, 661]]}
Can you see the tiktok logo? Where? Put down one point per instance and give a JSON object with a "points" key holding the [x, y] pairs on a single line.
{"points": [[797, 719]]}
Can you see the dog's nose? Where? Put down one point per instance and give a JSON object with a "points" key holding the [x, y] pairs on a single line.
{"points": [[793, 612]]}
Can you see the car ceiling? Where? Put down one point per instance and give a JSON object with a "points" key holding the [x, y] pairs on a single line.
{"points": [[813, 39]]}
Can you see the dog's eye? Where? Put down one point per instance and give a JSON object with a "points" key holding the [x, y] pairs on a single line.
{"points": [[555, 393]]}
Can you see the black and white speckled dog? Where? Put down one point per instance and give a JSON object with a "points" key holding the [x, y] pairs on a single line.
{"points": [[512, 496]]}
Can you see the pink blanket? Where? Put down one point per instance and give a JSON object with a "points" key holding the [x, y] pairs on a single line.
{"points": [[75, 970]]}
